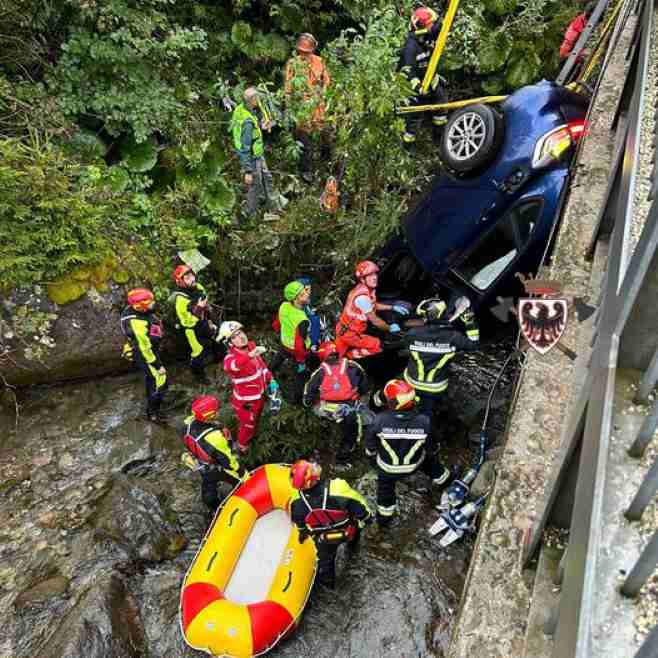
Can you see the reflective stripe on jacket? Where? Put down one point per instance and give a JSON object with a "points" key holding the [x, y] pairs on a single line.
{"points": [[144, 332], [250, 375], [352, 317], [335, 494], [208, 444], [431, 348], [399, 441], [185, 301]]}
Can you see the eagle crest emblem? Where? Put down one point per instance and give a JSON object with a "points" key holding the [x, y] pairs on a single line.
{"points": [[542, 322]]}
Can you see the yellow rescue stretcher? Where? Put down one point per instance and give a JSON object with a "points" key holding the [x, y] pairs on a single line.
{"points": [[250, 580]]}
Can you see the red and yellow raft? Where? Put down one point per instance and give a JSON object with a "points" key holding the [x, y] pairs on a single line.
{"points": [[251, 578]]}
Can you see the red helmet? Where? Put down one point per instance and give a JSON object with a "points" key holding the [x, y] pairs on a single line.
{"points": [[304, 474], [205, 407], [179, 273], [423, 17], [327, 349], [400, 395], [365, 268], [140, 299]]}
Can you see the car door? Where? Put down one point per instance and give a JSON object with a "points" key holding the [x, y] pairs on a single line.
{"points": [[485, 270]]}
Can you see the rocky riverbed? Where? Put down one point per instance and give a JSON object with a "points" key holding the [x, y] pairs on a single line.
{"points": [[99, 521]]}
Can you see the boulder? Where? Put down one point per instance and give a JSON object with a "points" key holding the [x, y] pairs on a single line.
{"points": [[136, 519]]}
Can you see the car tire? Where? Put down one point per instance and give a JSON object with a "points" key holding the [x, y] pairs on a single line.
{"points": [[471, 138]]}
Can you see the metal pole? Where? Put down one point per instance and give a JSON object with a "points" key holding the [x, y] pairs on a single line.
{"points": [[648, 380], [440, 45], [645, 434], [649, 648], [643, 568], [645, 494]]}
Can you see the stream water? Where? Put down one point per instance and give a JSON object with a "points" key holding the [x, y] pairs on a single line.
{"points": [[99, 521]]}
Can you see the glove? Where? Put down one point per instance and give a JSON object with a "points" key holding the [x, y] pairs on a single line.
{"points": [[394, 328], [257, 351], [301, 367], [273, 388], [468, 317], [399, 308], [275, 405]]}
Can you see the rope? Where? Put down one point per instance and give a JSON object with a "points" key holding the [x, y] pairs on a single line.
{"points": [[598, 51]]}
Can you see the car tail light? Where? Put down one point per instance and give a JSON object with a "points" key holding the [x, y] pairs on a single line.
{"points": [[552, 146]]}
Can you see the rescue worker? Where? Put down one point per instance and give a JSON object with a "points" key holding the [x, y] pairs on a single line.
{"points": [[191, 304], [210, 446], [328, 510], [246, 122], [398, 444], [306, 82], [252, 381], [295, 330], [433, 345], [414, 58], [143, 332], [574, 31], [339, 383], [360, 308]]}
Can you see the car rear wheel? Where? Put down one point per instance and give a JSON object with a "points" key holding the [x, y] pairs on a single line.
{"points": [[471, 138]]}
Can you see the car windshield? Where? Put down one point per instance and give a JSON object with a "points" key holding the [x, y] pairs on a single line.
{"points": [[500, 246]]}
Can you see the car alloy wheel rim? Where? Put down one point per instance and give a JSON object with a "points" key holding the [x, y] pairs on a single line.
{"points": [[466, 136]]}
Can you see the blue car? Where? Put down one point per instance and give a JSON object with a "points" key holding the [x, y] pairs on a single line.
{"points": [[491, 214]]}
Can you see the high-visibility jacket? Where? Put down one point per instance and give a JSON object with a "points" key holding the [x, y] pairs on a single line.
{"points": [[290, 319], [209, 444], [353, 318], [336, 380], [185, 302], [143, 332], [431, 348], [242, 114], [399, 441], [250, 375], [316, 80], [572, 35], [333, 494]]}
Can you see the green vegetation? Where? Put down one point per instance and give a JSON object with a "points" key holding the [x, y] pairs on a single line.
{"points": [[114, 149]]}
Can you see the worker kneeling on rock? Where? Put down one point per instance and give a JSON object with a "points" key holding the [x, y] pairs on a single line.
{"points": [[339, 383], [398, 444], [330, 511], [210, 446], [191, 304], [143, 332], [360, 308], [252, 381]]}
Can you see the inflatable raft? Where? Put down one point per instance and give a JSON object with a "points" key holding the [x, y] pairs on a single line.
{"points": [[251, 578]]}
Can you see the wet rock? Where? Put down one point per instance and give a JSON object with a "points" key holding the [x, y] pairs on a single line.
{"points": [[48, 520], [136, 519], [65, 461], [131, 445], [48, 589], [104, 622]]}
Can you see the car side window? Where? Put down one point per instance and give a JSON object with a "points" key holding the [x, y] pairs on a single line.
{"points": [[501, 245]]}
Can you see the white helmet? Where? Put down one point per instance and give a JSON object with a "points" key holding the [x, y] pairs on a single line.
{"points": [[228, 328]]}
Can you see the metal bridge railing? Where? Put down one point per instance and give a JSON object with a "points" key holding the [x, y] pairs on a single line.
{"points": [[590, 424]]}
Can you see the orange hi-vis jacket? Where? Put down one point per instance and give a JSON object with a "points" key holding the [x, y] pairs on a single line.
{"points": [[352, 317], [317, 80]]}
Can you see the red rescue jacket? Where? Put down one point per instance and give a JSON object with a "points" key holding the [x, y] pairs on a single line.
{"points": [[250, 375], [352, 317], [572, 34]]}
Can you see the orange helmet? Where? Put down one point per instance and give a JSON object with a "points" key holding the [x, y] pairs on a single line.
{"points": [[179, 273], [305, 474], [205, 407], [422, 18], [306, 43], [365, 268], [400, 395], [327, 349], [140, 299]]}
